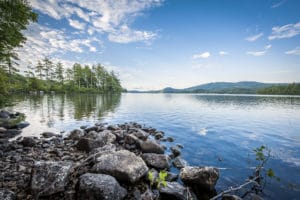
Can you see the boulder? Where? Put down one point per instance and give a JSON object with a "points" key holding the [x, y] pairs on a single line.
{"points": [[173, 190], [2, 129], [100, 186], [10, 120], [150, 146], [158, 161], [49, 177], [158, 135], [131, 139], [87, 144], [7, 194], [202, 177], [124, 165], [139, 133], [106, 148], [179, 163], [76, 134], [176, 151], [28, 142], [48, 134]]}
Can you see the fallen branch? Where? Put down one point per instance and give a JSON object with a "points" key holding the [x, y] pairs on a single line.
{"points": [[232, 189]]}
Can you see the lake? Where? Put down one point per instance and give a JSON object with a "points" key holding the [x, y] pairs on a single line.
{"points": [[215, 130]]}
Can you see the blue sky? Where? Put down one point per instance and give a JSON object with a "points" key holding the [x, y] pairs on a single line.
{"points": [[154, 44]]}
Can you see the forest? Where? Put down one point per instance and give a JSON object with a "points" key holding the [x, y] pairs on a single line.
{"points": [[46, 75]]}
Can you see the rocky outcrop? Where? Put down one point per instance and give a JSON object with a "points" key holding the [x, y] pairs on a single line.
{"points": [[204, 177], [100, 186], [124, 165], [49, 177]]}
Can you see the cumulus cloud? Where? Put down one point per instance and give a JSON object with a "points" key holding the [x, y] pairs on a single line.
{"points": [[201, 55], [43, 41], [254, 37], [102, 16], [286, 31], [295, 51], [76, 24], [126, 35]]}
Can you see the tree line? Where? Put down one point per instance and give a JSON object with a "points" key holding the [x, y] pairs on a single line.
{"points": [[289, 89]]}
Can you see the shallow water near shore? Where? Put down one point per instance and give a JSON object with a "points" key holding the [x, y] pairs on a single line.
{"points": [[215, 130]]}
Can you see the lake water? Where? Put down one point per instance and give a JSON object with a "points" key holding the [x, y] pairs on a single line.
{"points": [[215, 130]]}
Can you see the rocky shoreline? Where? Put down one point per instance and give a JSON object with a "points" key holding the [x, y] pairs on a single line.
{"points": [[99, 162]]}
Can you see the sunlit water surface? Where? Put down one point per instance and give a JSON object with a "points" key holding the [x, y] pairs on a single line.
{"points": [[215, 130]]}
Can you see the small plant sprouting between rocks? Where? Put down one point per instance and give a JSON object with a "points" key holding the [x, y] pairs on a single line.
{"points": [[160, 180]]}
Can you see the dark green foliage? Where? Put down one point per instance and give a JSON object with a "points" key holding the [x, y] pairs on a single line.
{"points": [[15, 15], [290, 89]]}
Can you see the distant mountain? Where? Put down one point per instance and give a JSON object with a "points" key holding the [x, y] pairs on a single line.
{"points": [[243, 87]]}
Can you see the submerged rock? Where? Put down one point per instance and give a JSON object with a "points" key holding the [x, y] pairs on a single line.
{"points": [[173, 190], [49, 177], [48, 134], [124, 165], [100, 186], [203, 177], [158, 161]]}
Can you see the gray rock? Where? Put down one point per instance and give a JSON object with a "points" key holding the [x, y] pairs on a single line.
{"points": [[158, 161], [2, 129], [176, 151], [48, 134], [131, 139], [87, 144], [170, 139], [148, 195], [28, 142], [203, 177], [139, 133], [107, 136], [158, 135], [171, 177], [179, 163], [173, 190], [76, 134], [6, 194], [100, 186], [49, 177], [150, 146], [4, 114], [106, 148], [124, 165], [23, 124]]}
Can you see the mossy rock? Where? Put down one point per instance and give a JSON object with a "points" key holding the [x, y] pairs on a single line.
{"points": [[12, 121]]}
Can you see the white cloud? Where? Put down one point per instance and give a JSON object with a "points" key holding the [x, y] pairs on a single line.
{"points": [[223, 53], [256, 53], [103, 16], [126, 35], [286, 31], [76, 24], [202, 55], [295, 51], [268, 46], [254, 37], [43, 41]]}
